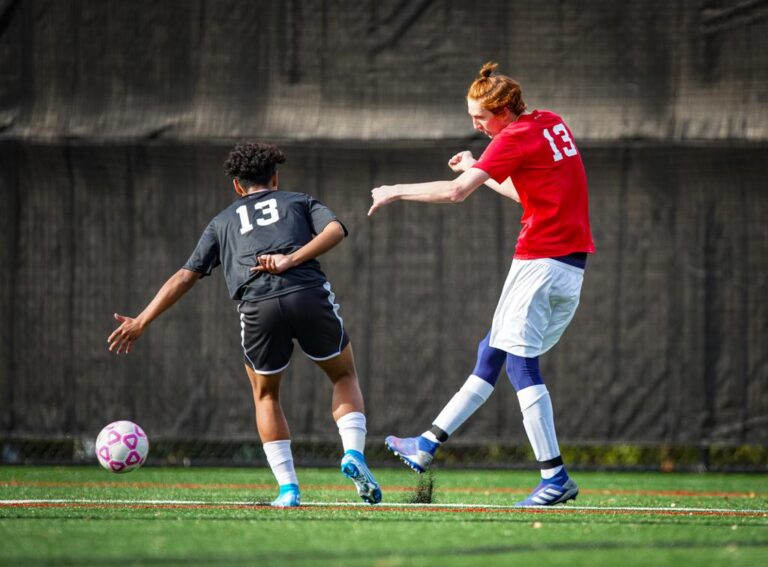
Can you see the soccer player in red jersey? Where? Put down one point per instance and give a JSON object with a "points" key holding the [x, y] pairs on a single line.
{"points": [[532, 158]]}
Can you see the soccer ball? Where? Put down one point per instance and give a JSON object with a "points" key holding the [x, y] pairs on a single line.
{"points": [[122, 446]]}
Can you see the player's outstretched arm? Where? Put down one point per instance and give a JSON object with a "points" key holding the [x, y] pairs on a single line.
{"points": [[130, 329], [454, 191], [330, 236]]}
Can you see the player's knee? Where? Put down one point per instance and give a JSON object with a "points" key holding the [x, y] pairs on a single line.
{"points": [[489, 361], [347, 378], [340, 368], [523, 372], [477, 387], [265, 390]]}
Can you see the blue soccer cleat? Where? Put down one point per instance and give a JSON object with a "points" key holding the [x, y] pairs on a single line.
{"points": [[556, 490], [288, 497], [416, 452], [353, 467]]}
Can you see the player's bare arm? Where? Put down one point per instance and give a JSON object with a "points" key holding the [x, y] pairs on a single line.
{"points": [[462, 161], [507, 188], [329, 237], [453, 191], [130, 329]]}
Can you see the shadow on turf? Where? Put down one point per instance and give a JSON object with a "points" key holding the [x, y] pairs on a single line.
{"points": [[306, 516], [316, 555]]}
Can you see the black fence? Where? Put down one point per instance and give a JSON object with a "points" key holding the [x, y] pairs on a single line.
{"points": [[110, 168]]}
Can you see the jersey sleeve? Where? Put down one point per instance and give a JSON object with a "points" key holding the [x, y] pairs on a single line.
{"points": [[500, 159], [322, 216], [207, 253]]}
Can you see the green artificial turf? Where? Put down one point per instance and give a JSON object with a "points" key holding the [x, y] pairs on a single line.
{"points": [[202, 516]]}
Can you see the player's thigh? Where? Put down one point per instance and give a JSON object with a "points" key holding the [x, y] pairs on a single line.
{"points": [[341, 366], [562, 315], [264, 385], [315, 322], [265, 336], [566, 294], [524, 309]]}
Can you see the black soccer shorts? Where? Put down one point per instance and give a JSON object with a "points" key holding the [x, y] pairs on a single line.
{"points": [[308, 315]]}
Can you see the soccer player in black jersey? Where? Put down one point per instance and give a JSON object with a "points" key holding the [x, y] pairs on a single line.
{"points": [[267, 242]]}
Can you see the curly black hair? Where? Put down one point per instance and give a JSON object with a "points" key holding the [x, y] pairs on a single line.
{"points": [[253, 163]]}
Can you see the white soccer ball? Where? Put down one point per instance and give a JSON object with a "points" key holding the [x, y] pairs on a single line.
{"points": [[122, 446]]}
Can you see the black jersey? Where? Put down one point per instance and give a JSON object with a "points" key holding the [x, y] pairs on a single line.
{"points": [[267, 222]]}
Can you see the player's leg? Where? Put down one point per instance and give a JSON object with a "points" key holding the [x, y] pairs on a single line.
{"points": [[538, 420], [267, 347], [418, 452], [275, 435], [473, 393], [347, 397], [320, 332], [529, 315], [535, 402], [270, 419], [349, 413]]}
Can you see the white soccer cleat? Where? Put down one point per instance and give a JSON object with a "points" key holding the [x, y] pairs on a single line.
{"points": [[551, 491], [354, 468], [416, 452]]}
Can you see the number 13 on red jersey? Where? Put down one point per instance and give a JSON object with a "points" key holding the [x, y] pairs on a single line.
{"points": [[568, 148]]}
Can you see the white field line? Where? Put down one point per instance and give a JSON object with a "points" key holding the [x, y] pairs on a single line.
{"points": [[677, 509]]}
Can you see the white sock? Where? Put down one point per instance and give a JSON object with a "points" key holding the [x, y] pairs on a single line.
{"points": [[549, 473], [431, 436], [463, 404], [280, 461], [539, 424], [352, 430]]}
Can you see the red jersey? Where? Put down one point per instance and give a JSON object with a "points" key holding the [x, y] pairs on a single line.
{"points": [[538, 153]]}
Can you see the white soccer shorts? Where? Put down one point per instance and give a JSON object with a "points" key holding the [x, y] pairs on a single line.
{"points": [[537, 303]]}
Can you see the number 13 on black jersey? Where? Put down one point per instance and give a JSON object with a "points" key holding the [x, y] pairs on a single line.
{"points": [[266, 211]]}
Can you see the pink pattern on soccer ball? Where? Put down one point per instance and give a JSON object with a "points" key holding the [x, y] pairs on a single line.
{"points": [[140, 432], [132, 458], [104, 453], [114, 437], [131, 440], [116, 466]]}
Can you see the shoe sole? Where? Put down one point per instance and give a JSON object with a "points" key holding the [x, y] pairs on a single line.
{"points": [[367, 490], [416, 467]]}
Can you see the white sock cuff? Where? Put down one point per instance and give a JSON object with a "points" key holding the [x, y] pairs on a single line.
{"points": [[477, 386], [530, 395], [354, 420], [278, 452]]}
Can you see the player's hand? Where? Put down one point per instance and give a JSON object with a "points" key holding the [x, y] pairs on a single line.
{"points": [[462, 161], [382, 196], [274, 263], [122, 338]]}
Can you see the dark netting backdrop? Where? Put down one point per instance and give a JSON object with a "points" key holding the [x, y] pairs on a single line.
{"points": [[115, 118]]}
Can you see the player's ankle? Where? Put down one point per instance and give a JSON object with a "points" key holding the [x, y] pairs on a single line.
{"points": [[355, 453], [556, 474]]}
